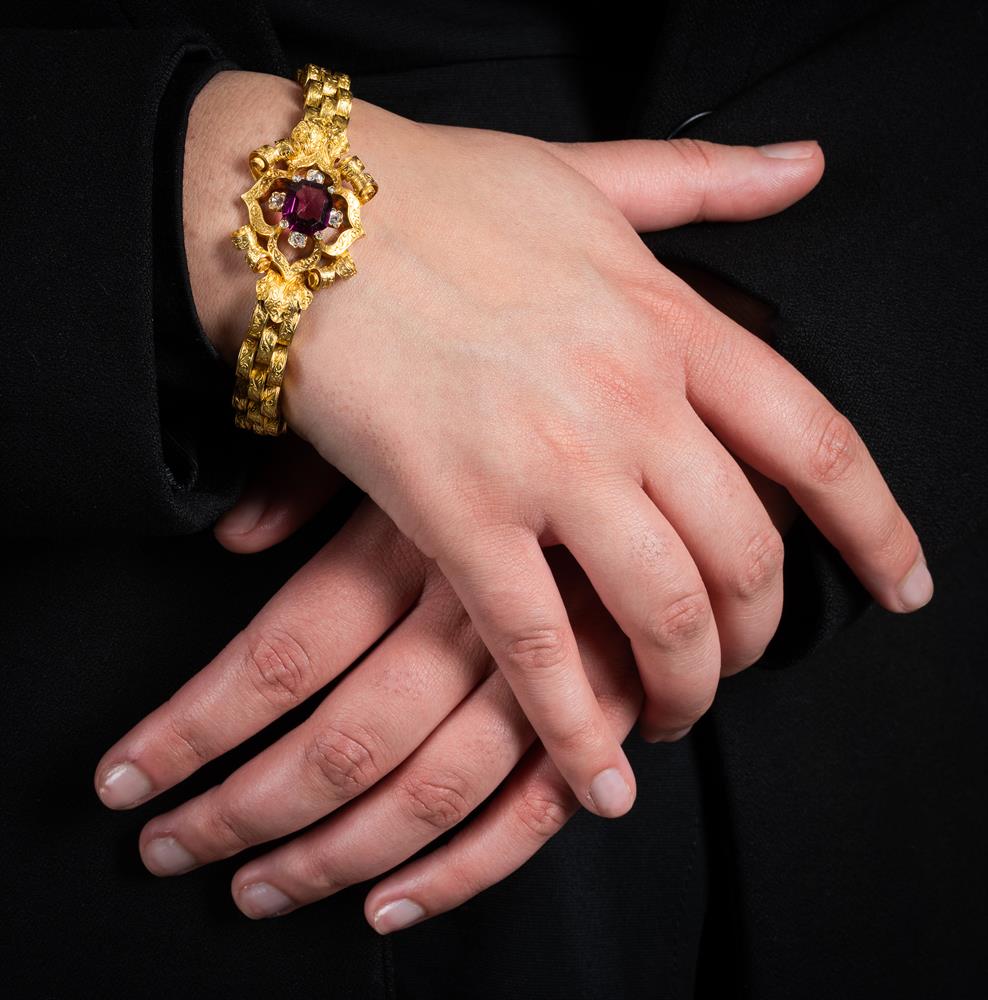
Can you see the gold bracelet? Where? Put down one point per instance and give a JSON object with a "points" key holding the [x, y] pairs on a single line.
{"points": [[316, 186]]}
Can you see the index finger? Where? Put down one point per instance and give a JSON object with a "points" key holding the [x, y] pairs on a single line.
{"points": [[772, 417], [329, 613], [507, 588]]}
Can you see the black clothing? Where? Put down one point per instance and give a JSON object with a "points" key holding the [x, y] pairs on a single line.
{"points": [[822, 831]]}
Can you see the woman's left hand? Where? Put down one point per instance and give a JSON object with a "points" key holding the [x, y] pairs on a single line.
{"points": [[404, 747]]}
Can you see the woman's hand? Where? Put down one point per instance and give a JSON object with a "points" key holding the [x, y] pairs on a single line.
{"points": [[278, 651], [408, 743], [513, 369], [415, 737]]}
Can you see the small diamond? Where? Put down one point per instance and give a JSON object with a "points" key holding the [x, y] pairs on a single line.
{"points": [[335, 217], [276, 200], [296, 177], [324, 234], [284, 223], [315, 175], [297, 239]]}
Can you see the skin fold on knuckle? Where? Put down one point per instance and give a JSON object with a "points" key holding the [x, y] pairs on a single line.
{"points": [[227, 832], [760, 566], [277, 665], [187, 746], [437, 800], [833, 448], [699, 171], [542, 810], [537, 650], [343, 759], [678, 625], [314, 871], [893, 548], [573, 740]]}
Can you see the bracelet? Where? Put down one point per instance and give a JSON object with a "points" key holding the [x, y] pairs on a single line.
{"points": [[316, 185]]}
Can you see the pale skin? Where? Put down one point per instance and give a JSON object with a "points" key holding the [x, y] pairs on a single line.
{"points": [[510, 372]]}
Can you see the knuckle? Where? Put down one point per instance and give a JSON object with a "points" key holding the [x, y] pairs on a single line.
{"points": [[895, 541], [834, 448], [466, 877], [680, 623], [541, 812], [761, 564], [563, 441], [439, 800], [662, 312], [575, 741], [278, 666], [613, 381], [345, 760], [229, 831], [699, 169], [189, 745], [676, 320], [319, 869], [537, 650]]}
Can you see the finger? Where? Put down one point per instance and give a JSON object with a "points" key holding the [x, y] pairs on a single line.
{"points": [[368, 573], [530, 808], [460, 764], [507, 588], [372, 720], [294, 485], [649, 582], [436, 788], [659, 184], [739, 387], [738, 550]]}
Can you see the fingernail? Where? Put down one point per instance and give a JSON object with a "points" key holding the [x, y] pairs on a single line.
{"points": [[166, 856], [789, 150], [916, 587], [394, 916], [124, 785], [246, 514], [263, 900], [610, 793]]}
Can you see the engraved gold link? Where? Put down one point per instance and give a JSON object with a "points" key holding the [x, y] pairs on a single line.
{"points": [[313, 96], [262, 357], [276, 369]]}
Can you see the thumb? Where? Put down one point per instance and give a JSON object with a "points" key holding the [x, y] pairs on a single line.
{"points": [[659, 184], [284, 494]]}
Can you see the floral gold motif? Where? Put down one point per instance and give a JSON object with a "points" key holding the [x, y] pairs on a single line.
{"points": [[317, 148]]}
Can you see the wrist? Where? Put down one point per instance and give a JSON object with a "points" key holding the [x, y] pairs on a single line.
{"points": [[234, 113]]}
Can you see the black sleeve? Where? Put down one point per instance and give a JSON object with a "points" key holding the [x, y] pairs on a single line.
{"points": [[115, 409]]}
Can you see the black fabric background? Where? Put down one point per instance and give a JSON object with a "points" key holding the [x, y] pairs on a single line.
{"points": [[822, 832]]}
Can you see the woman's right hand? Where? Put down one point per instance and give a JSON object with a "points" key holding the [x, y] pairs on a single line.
{"points": [[513, 369]]}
